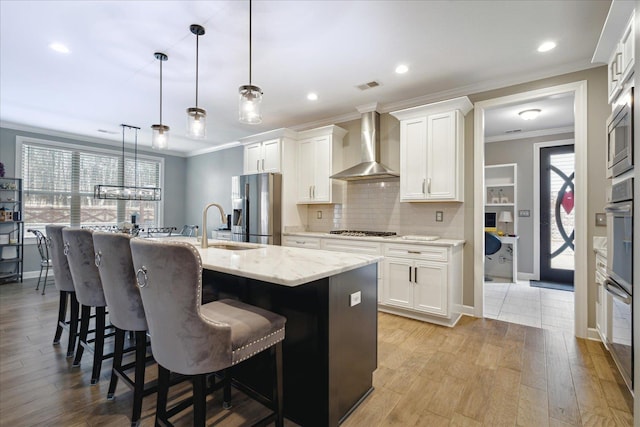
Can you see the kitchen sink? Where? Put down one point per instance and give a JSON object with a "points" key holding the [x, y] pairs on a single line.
{"points": [[232, 246]]}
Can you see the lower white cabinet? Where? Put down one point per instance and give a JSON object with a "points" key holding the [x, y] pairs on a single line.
{"points": [[417, 285], [603, 301], [301, 242], [423, 282]]}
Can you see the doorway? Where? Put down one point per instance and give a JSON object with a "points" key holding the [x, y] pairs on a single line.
{"points": [[579, 92], [557, 215]]}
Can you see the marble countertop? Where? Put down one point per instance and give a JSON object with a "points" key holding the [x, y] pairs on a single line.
{"points": [[393, 239], [276, 264]]}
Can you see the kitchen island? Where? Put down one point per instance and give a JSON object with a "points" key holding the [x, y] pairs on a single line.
{"points": [[329, 300]]}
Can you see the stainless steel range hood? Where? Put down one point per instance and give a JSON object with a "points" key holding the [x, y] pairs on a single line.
{"points": [[370, 166]]}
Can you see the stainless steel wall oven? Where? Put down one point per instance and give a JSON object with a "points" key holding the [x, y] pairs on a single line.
{"points": [[619, 283]]}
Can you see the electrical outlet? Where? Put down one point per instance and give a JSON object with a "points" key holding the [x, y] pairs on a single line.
{"points": [[439, 216], [355, 298], [319, 214]]}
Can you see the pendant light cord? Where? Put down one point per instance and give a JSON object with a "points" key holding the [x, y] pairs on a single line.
{"points": [[161, 92], [197, 50], [135, 160], [249, 42], [122, 170]]}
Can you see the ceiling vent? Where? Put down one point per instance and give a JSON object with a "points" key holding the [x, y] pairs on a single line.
{"points": [[369, 85]]}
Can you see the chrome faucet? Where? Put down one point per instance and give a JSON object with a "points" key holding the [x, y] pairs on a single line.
{"points": [[205, 242]]}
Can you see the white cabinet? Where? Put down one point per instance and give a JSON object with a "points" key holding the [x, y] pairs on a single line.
{"points": [[262, 157], [431, 151], [603, 302], [319, 157], [301, 242], [500, 195], [423, 281]]}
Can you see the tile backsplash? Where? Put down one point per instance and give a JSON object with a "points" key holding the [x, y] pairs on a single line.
{"points": [[375, 205]]}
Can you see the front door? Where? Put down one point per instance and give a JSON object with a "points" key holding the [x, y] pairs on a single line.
{"points": [[557, 214]]}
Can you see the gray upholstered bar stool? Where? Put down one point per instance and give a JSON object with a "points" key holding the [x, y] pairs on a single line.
{"points": [[113, 259], [194, 339], [64, 283], [78, 246]]}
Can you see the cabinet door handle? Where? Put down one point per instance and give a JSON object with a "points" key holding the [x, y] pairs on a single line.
{"points": [[309, 192], [262, 164], [258, 165], [429, 186], [410, 275], [415, 274], [314, 191], [423, 184]]}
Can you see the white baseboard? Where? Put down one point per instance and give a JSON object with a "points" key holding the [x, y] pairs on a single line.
{"points": [[592, 334], [468, 310], [526, 276]]}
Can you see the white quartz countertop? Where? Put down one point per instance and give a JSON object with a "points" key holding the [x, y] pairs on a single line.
{"points": [[393, 239], [276, 264]]}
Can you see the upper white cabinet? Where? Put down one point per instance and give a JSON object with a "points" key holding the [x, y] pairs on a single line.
{"points": [[263, 152], [616, 47], [431, 151], [319, 157], [262, 157]]}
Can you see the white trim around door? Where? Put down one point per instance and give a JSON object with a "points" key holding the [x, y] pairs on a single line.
{"points": [[579, 89]]}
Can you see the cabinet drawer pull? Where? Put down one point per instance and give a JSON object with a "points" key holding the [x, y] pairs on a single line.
{"points": [[414, 252]]}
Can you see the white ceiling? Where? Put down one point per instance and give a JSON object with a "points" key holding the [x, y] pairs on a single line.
{"points": [[111, 76]]}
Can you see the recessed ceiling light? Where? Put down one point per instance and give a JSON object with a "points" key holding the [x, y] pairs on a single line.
{"points": [[546, 46], [401, 69], [59, 47], [529, 114], [312, 96]]}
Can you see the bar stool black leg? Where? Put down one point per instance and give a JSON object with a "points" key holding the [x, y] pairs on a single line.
{"points": [[138, 389], [62, 313], [277, 396], [226, 379], [117, 362], [162, 396], [98, 344], [199, 400], [73, 323], [84, 331]]}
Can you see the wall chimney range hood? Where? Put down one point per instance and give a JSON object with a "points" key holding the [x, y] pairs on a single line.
{"points": [[370, 166]]}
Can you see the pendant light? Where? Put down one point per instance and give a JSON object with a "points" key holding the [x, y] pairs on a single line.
{"points": [[160, 133], [127, 192], [250, 95], [196, 117]]}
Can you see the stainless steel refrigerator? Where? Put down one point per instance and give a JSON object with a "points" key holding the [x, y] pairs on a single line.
{"points": [[257, 208]]}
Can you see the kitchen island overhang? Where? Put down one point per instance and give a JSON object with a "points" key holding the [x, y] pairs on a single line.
{"points": [[330, 302]]}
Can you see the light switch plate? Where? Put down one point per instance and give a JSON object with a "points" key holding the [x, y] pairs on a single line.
{"points": [[601, 220], [524, 213], [355, 298], [439, 216], [319, 214]]}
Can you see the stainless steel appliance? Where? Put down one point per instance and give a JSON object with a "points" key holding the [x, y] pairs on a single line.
{"points": [[619, 281], [620, 137], [257, 208]]}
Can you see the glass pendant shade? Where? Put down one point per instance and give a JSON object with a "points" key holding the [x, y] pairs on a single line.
{"points": [[250, 101], [196, 123], [159, 137]]}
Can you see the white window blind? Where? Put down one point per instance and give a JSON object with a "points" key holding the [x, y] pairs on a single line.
{"points": [[58, 186]]}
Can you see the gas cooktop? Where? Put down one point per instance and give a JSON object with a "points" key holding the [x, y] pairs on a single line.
{"points": [[357, 233]]}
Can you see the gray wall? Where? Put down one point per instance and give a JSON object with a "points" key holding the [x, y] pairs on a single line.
{"points": [[208, 179], [173, 193], [520, 151]]}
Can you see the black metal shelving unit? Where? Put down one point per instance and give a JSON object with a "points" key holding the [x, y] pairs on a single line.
{"points": [[11, 230]]}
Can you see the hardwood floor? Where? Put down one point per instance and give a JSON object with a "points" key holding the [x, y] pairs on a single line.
{"points": [[482, 372]]}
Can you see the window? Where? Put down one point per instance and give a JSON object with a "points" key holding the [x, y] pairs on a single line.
{"points": [[58, 181]]}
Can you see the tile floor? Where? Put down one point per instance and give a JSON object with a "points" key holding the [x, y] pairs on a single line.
{"points": [[538, 307]]}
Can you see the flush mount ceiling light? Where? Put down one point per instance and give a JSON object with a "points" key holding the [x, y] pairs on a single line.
{"points": [[196, 117], [401, 69], [127, 192], [59, 47], [529, 114], [160, 132], [250, 95], [546, 46], [312, 96]]}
